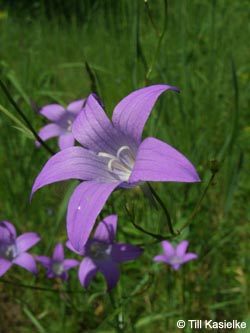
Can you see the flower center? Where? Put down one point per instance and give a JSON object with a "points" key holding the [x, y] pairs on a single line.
{"points": [[121, 164], [176, 260], [57, 267], [99, 250], [69, 125], [8, 251]]}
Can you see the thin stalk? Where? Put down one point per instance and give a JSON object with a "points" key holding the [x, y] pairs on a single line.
{"points": [[164, 209], [26, 120], [21, 285], [158, 45], [119, 317], [151, 18], [198, 204], [156, 236]]}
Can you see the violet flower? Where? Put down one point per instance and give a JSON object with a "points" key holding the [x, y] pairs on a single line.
{"points": [[102, 254], [113, 155], [57, 266], [62, 120], [13, 250], [175, 257]]}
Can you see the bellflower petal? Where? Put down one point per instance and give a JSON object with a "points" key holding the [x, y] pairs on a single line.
{"points": [[4, 266], [75, 106], [66, 140], [157, 161], [189, 256], [49, 131], [124, 252], [111, 273], [25, 241], [131, 113], [182, 248], [87, 271], [106, 229], [169, 250], [58, 253], [99, 134], [70, 263], [161, 257], [72, 163], [45, 261], [71, 248], [26, 261], [7, 231], [53, 112], [84, 206]]}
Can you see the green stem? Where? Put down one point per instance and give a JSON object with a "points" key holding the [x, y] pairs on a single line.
{"points": [[198, 204], [119, 316], [164, 209], [21, 285], [161, 35], [151, 18], [156, 236]]}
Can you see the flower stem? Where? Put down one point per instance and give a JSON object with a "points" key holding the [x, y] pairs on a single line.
{"points": [[161, 35], [119, 317], [214, 170], [26, 120], [21, 285], [156, 196], [158, 237]]}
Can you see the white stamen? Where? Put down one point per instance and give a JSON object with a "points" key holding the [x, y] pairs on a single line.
{"points": [[69, 125], [57, 267], [121, 164], [99, 250], [106, 155], [8, 251], [121, 149]]}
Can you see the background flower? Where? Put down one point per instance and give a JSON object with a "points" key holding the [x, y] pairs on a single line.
{"points": [[62, 120], [175, 257], [57, 266], [103, 255], [13, 250]]}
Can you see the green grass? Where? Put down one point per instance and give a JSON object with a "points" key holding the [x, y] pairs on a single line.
{"points": [[205, 52]]}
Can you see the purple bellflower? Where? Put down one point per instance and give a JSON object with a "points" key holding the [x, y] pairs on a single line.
{"points": [[62, 120], [13, 250], [175, 257], [113, 155], [102, 254], [57, 266]]}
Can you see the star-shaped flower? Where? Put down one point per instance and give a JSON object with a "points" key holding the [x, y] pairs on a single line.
{"points": [[113, 155], [102, 254], [13, 250], [175, 257], [57, 266], [62, 120]]}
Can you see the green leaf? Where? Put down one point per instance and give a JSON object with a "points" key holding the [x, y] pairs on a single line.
{"points": [[34, 320], [13, 79], [20, 126]]}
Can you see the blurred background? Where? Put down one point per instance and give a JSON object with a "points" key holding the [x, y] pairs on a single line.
{"points": [[59, 51]]}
